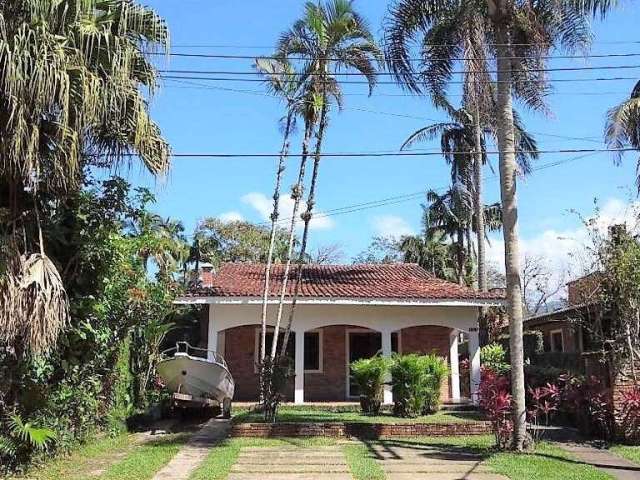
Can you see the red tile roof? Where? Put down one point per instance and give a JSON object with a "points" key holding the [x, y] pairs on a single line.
{"points": [[383, 281]]}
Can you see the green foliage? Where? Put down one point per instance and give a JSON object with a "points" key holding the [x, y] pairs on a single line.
{"points": [[416, 382], [19, 439], [368, 374], [532, 344], [494, 357]]}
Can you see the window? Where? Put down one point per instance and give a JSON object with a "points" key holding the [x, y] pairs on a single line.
{"points": [[312, 348], [557, 341]]}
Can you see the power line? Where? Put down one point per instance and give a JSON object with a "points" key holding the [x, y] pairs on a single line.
{"points": [[417, 74], [362, 82], [461, 59], [200, 86], [411, 196], [425, 153]]}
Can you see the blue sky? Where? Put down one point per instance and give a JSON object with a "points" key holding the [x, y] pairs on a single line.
{"points": [[212, 120]]}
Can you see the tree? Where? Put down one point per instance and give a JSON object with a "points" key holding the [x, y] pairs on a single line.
{"points": [[431, 251], [281, 81], [329, 38], [518, 34], [71, 75], [540, 284], [622, 128], [380, 250], [237, 241], [331, 253]]}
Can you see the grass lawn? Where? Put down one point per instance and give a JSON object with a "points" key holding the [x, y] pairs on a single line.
{"points": [[320, 414], [631, 453], [222, 457], [78, 465], [548, 462]]}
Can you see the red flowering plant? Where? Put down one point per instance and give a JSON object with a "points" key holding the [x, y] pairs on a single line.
{"points": [[495, 400], [543, 404], [630, 410]]}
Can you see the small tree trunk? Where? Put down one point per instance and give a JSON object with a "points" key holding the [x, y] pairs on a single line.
{"points": [[272, 238], [306, 216], [297, 196], [506, 147]]}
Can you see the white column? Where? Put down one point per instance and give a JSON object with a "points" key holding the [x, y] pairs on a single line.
{"points": [[454, 362], [474, 360], [298, 397], [386, 352], [212, 341]]}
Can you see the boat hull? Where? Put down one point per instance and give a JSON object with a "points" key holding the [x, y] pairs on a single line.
{"points": [[198, 377]]}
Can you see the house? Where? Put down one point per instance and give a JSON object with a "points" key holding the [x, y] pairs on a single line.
{"points": [[344, 312], [562, 329]]}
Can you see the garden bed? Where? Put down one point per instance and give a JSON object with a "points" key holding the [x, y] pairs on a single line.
{"points": [[316, 421]]}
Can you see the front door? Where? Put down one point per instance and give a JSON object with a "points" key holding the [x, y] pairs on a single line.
{"points": [[362, 345]]}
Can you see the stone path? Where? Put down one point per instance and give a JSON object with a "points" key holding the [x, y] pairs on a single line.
{"points": [[290, 463], [195, 451], [430, 462], [619, 468]]}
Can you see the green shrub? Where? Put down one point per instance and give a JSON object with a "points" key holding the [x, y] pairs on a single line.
{"points": [[368, 374], [532, 343], [436, 370], [416, 382], [494, 357]]}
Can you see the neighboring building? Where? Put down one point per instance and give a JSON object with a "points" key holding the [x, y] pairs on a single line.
{"points": [[344, 312], [562, 330]]}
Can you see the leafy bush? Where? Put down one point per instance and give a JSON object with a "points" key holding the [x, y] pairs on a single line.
{"points": [[19, 439], [368, 374], [630, 410], [494, 357], [495, 400], [416, 382], [532, 342], [436, 371]]}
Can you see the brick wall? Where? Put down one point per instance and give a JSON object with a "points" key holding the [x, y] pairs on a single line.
{"points": [[359, 430], [330, 385], [428, 339]]}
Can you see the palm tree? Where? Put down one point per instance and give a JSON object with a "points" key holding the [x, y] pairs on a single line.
{"points": [[330, 38], [524, 35], [519, 34], [71, 76], [622, 128], [281, 81], [431, 251]]}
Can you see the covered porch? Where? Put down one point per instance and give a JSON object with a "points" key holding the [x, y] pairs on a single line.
{"points": [[326, 338]]}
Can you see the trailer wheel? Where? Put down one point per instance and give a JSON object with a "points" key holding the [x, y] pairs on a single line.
{"points": [[226, 408]]}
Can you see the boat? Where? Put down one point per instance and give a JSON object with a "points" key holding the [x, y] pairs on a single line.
{"points": [[197, 376]]}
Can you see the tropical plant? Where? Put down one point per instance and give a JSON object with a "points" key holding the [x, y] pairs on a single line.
{"points": [[71, 75], [435, 371], [329, 38], [518, 34], [431, 251], [494, 357], [416, 381], [369, 375], [622, 128], [21, 438], [496, 402]]}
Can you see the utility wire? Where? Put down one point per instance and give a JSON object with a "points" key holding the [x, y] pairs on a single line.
{"points": [[426, 153], [460, 59], [362, 82], [417, 74], [411, 196]]}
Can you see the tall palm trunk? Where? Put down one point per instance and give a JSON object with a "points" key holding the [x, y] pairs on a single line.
{"points": [[460, 256], [506, 146], [272, 238], [297, 197], [479, 207], [306, 216]]}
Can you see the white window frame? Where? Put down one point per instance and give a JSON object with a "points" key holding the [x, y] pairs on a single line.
{"points": [[552, 344], [320, 333]]}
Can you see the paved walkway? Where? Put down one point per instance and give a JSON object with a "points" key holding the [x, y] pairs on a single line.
{"points": [[619, 468], [195, 451], [290, 463], [430, 462]]}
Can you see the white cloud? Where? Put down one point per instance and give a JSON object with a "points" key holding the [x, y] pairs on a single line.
{"points": [[264, 206], [231, 217], [391, 226], [565, 251]]}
